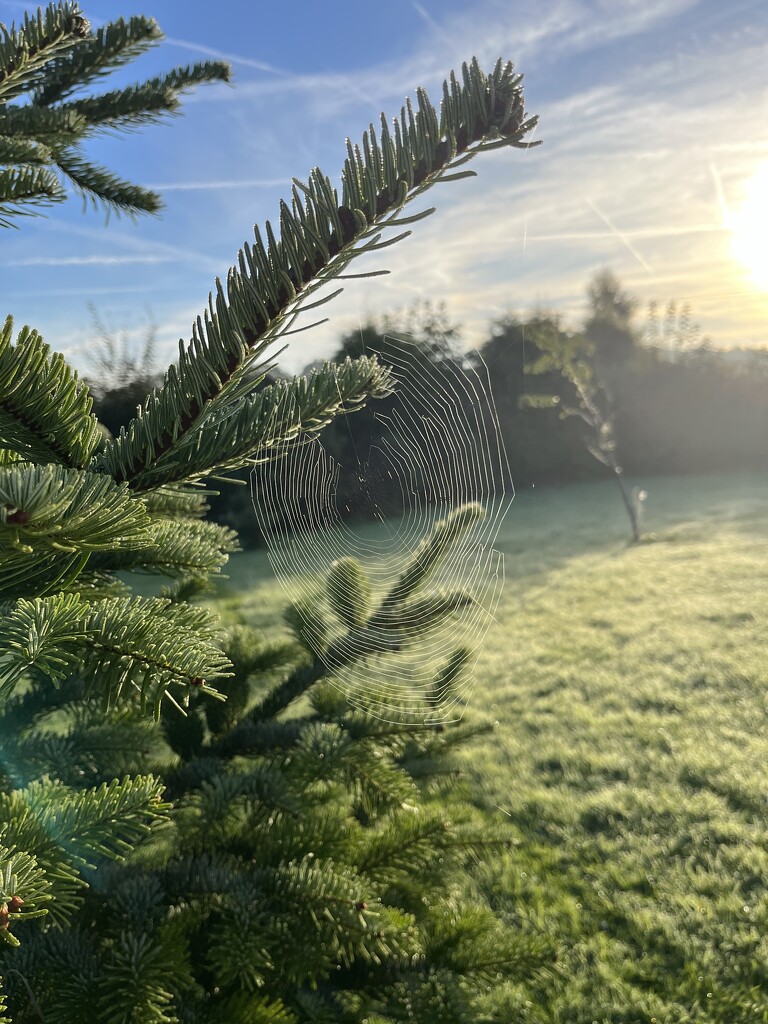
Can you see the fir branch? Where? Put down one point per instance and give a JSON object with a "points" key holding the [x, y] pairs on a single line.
{"points": [[67, 981], [400, 847], [411, 618], [324, 753], [246, 964], [188, 876], [26, 51], [251, 656], [257, 428], [332, 918], [107, 821], [319, 236], [52, 518], [27, 572], [23, 186], [252, 653], [136, 979], [94, 585], [255, 1009], [187, 588], [9, 458], [176, 502], [45, 412], [445, 536], [147, 644], [323, 828], [444, 683], [59, 125], [247, 738], [308, 623], [398, 622], [24, 830], [176, 549], [377, 783], [472, 945], [82, 744], [69, 830], [148, 102], [150, 644], [23, 151], [23, 888], [109, 47], [349, 592], [330, 704], [41, 633], [427, 758], [210, 810], [125, 108], [68, 510], [52, 56], [296, 684], [100, 185]]}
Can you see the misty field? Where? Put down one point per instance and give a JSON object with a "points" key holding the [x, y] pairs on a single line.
{"points": [[630, 688]]}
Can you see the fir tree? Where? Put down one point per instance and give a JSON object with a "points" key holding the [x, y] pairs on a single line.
{"points": [[311, 865], [273, 886]]}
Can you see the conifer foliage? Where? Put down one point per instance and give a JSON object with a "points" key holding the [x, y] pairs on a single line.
{"points": [[302, 874], [264, 867], [43, 62]]}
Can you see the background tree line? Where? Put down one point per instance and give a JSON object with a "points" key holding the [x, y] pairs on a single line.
{"points": [[678, 405]]}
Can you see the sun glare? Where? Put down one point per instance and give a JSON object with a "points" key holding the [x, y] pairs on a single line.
{"points": [[749, 228]]}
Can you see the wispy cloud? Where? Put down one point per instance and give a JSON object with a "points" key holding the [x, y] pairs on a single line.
{"points": [[214, 186], [592, 26], [659, 232], [80, 261], [111, 291], [119, 237]]}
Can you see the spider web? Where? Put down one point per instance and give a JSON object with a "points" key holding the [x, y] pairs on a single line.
{"points": [[373, 488]]}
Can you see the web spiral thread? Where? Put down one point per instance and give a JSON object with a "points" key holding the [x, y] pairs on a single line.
{"points": [[358, 512]]}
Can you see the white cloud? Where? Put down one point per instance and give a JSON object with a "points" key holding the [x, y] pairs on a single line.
{"points": [[82, 261], [214, 186]]}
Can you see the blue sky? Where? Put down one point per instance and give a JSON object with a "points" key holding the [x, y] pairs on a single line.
{"points": [[654, 122]]}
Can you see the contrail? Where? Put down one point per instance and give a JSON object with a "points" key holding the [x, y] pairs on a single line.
{"points": [[617, 234], [671, 231], [722, 205], [208, 51], [441, 35]]}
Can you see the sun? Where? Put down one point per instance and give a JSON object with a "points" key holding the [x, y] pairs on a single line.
{"points": [[749, 228]]}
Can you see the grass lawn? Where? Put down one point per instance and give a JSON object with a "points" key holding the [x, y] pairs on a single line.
{"points": [[630, 685]]}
